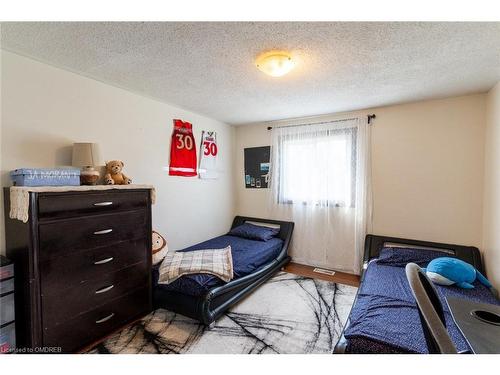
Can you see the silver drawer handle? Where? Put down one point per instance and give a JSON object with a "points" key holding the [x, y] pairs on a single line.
{"points": [[104, 231], [104, 261], [105, 289], [105, 319], [100, 204]]}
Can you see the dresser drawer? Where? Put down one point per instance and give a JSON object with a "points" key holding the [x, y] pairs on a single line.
{"points": [[68, 204], [73, 334], [66, 304], [65, 237], [67, 271]]}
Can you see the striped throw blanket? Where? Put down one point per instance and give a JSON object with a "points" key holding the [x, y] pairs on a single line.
{"points": [[217, 262]]}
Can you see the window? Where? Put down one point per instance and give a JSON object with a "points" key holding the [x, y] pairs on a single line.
{"points": [[318, 168], [320, 180]]}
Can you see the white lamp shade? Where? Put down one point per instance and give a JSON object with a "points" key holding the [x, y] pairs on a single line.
{"points": [[86, 155]]}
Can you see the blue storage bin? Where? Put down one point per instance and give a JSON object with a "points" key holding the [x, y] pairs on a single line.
{"points": [[45, 177]]}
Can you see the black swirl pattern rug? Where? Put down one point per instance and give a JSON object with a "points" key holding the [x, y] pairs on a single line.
{"points": [[287, 314]]}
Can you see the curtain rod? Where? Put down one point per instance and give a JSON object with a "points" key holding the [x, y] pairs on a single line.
{"points": [[370, 118]]}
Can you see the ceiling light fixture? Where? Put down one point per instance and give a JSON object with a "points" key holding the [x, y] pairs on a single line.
{"points": [[275, 63]]}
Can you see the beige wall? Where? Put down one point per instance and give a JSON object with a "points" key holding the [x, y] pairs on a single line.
{"points": [[427, 167], [46, 109], [491, 218]]}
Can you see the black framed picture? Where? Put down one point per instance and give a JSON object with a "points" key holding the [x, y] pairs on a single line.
{"points": [[257, 164]]}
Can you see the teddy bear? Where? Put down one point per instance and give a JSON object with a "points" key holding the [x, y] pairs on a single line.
{"points": [[114, 175]]}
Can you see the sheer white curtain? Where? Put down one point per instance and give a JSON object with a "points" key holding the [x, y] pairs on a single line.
{"points": [[320, 179]]}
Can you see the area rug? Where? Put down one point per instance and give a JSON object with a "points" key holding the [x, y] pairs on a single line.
{"points": [[287, 314]]}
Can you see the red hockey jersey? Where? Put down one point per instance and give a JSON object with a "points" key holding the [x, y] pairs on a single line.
{"points": [[182, 150]]}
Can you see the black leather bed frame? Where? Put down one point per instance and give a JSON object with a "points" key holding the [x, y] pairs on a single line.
{"points": [[216, 301], [374, 244]]}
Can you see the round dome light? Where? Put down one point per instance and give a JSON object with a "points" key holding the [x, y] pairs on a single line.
{"points": [[275, 64]]}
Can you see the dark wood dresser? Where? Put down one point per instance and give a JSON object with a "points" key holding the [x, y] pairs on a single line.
{"points": [[82, 265]]}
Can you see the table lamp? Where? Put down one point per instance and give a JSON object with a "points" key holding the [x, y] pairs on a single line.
{"points": [[87, 156]]}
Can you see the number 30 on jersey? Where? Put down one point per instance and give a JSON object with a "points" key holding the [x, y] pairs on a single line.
{"points": [[210, 148], [184, 141]]}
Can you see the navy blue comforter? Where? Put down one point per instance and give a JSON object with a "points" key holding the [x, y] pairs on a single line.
{"points": [[385, 317], [248, 256]]}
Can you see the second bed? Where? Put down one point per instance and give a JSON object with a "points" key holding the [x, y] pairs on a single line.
{"points": [[205, 297]]}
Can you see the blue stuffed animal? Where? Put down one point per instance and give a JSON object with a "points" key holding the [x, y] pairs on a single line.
{"points": [[449, 271]]}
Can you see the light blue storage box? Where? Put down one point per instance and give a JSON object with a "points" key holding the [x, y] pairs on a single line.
{"points": [[45, 177]]}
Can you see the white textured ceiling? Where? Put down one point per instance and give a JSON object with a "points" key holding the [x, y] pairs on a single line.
{"points": [[209, 67]]}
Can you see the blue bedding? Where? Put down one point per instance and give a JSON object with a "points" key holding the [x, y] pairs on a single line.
{"points": [[385, 316], [248, 256]]}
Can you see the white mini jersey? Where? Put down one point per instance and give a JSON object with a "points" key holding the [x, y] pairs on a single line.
{"points": [[208, 155]]}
